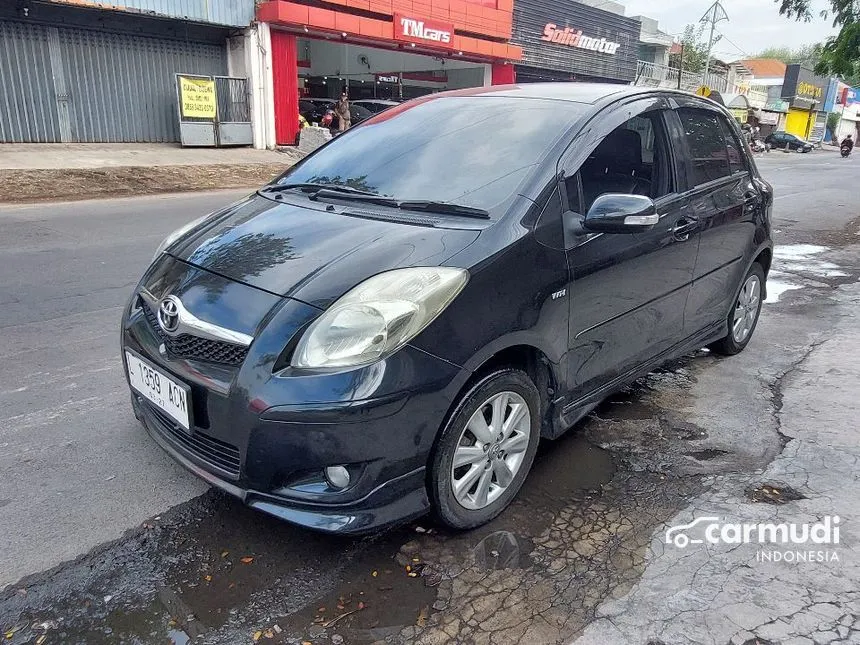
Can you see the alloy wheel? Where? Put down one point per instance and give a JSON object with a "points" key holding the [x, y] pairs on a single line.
{"points": [[491, 450], [746, 309]]}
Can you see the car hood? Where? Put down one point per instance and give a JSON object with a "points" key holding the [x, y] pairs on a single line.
{"points": [[309, 252]]}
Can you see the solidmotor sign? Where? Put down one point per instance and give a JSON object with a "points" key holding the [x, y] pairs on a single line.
{"points": [[575, 38]]}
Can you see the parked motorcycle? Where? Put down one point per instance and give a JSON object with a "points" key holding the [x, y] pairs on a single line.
{"points": [[845, 151], [757, 145]]}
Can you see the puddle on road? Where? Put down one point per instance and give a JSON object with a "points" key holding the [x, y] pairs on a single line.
{"points": [[212, 571], [797, 266]]}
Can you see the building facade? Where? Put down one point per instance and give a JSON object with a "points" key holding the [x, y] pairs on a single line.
{"points": [[571, 41], [82, 71], [806, 95], [383, 49], [847, 105], [760, 80]]}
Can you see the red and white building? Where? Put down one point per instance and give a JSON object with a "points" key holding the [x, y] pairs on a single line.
{"points": [[373, 48]]}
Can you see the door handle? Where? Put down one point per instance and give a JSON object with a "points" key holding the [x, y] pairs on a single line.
{"points": [[752, 199], [684, 227]]}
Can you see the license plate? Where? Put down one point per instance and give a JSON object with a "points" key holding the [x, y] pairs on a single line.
{"points": [[172, 397]]}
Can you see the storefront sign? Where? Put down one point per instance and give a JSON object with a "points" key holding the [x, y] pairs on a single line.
{"points": [[803, 88], [198, 97], [387, 78], [776, 105], [567, 40], [849, 96], [809, 91], [767, 118], [575, 38], [423, 31]]}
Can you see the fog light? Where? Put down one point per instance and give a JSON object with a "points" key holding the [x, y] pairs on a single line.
{"points": [[337, 476]]}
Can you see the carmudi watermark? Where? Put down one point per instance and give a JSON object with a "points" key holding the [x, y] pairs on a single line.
{"points": [[783, 542]]}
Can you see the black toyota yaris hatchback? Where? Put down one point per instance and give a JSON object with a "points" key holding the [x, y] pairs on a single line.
{"points": [[392, 325]]}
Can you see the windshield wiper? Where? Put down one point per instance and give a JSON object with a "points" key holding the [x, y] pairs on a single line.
{"points": [[443, 208], [339, 191], [354, 195], [310, 187]]}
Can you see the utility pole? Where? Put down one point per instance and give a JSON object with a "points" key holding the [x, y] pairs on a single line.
{"points": [[716, 13], [681, 65]]}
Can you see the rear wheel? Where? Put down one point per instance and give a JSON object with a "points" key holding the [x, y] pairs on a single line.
{"points": [[743, 317], [486, 450]]}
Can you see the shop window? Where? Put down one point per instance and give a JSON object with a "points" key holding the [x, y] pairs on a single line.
{"points": [[632, 160], [707, 146]]}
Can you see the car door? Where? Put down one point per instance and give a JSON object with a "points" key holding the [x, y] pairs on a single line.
{"points": [[724, 200], [628, 292], [779, 140]]}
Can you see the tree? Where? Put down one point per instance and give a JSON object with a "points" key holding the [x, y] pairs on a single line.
{"points": [[808, 55], [833, 120], [840, 55], [695, 49]]}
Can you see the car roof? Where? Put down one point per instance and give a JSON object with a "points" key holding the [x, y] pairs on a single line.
{"points": [[576, 92]]}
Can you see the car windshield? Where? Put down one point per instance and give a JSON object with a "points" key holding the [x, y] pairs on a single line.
{"points": [[470, 151]]}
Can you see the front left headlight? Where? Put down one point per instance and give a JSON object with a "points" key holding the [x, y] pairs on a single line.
{"points": [[175, 235], [378, 317]]}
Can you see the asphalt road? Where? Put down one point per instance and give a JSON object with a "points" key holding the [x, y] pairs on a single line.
{"points": [[77, 469], [815, 192]]}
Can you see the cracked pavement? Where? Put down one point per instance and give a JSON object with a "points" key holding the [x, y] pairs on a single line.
{"points": [[580, 557], [722, 593]]}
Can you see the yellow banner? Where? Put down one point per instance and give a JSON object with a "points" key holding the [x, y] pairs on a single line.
{"points": [[198, 97]]}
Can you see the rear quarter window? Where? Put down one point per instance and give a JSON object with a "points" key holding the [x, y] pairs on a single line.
{"points": [[737, 152]]}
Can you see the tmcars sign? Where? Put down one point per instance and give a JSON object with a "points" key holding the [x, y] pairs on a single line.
{"points": [[422, 31], [575, 38]]}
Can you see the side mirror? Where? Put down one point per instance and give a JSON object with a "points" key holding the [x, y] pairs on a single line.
{"points": [[617, 213]]}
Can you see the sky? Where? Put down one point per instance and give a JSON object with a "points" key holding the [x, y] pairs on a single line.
{"points": [[753, 24]]}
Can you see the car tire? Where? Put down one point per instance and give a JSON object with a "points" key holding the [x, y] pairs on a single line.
{"points": [[745, 312], [482, 449]]}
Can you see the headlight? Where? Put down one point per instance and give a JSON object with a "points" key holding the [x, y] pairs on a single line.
{"points": [[170, 239], [378, 317]]}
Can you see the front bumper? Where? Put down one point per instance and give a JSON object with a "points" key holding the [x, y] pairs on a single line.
{"points": [[265, 434], [398, 500]]}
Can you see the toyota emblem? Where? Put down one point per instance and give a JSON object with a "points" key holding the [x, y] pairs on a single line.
{"points": [[168, 314]]}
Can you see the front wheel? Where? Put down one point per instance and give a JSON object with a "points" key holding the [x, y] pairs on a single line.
{"points": [[744, 315], [486, 449]]}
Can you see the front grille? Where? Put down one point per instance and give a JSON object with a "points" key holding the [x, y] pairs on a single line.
{"points": [[194, 347], [214, 452]]}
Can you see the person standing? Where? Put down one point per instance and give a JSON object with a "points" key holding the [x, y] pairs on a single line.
{"points": [[341, 108]]}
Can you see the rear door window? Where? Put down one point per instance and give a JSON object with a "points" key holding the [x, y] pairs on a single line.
{"points": [[710, 155]]}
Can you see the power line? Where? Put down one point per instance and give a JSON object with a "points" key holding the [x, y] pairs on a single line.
{"points": [[735, 45]]}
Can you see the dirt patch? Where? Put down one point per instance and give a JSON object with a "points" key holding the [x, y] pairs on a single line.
{"points": [[773, 493], [18, 186]]}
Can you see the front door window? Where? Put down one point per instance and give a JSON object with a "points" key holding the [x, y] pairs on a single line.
{"points": [[632, 160]]}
